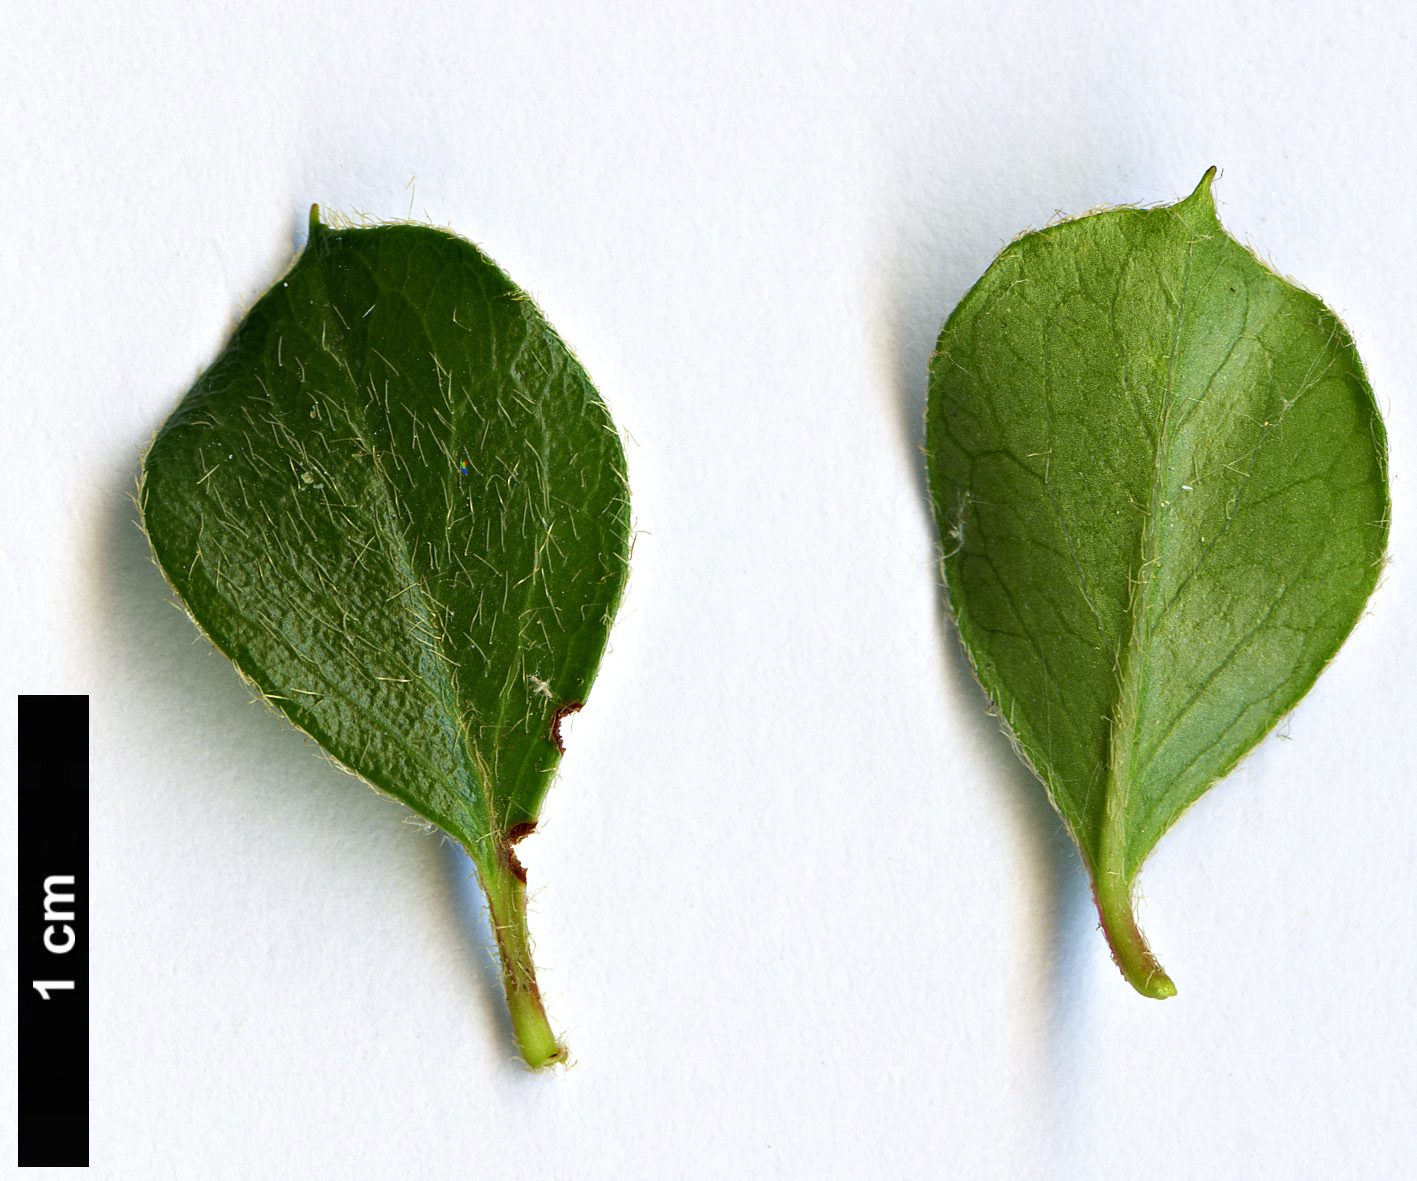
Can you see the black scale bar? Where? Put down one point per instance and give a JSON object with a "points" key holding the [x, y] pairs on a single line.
{"points": [[53, 1049]]}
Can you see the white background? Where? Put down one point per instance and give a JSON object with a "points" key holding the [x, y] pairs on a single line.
{"points": [[799, 910]]}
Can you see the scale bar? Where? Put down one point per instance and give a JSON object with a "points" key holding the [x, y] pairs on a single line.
{"points": [[53, 1042]]}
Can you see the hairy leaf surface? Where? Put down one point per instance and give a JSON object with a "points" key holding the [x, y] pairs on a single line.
{"points": [[1161, 483], [397, 503]]}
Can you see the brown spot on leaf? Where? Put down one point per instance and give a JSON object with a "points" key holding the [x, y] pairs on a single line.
{"points": [[563, 712], [518, 832]]}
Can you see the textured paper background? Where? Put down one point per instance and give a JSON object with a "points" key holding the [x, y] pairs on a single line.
{"points": [[800, 912]]}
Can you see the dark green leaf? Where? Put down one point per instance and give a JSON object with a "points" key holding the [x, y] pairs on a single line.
{"points": [[397, 503], [1161, 484]]}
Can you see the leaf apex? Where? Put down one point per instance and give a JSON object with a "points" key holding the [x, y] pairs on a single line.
{"points": [[1201, 200], [315, 224]]}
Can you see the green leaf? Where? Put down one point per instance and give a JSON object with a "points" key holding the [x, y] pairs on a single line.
{"points": [[1160, 479], [397, 503]]}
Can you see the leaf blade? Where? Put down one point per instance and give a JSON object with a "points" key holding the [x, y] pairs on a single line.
{"points": [[396, 502], [1112, 391]]}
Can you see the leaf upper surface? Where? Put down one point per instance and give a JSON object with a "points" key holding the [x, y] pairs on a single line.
{"points": [[1160, 479], [398, 504]]}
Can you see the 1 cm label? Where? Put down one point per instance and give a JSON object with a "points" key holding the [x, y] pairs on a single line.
{"points": [[59, 937]]}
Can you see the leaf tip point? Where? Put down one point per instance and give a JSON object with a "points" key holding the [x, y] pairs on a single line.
{"points": [[1201, 195], [1198, 209], [315, 224]]}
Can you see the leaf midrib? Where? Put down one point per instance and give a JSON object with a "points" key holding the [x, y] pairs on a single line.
{"points": [[414, 592], [1112, 843], [517, 673], [1150, 616]]}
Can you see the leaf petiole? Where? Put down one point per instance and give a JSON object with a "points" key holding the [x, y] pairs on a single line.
{"points": [[504, 884], [1113, 894], [1112, 890]]}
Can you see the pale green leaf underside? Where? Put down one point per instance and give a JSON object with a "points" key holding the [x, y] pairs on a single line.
{"points": [[1160, 479], [397, 503]]}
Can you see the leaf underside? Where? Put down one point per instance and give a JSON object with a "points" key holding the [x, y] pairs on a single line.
{"points": [[396, 502], [1160, 478]]}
